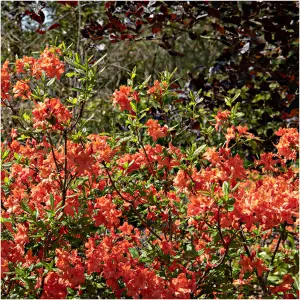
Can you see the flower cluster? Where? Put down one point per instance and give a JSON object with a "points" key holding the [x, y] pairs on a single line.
{"points": [[29, 68], [158, 89], [288, 143], [51, 112], [124, 96], [22, 90], [155, 130], [221, 118], [88, 215], [5, 80], [48, 62]]}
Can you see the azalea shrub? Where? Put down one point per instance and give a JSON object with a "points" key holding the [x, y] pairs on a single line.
{"points": [[131, 213]]}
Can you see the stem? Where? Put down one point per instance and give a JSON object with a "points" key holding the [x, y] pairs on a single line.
{"points": [[131, 202], [64, 190], [53, 154], [219, 228], [260, 279], [14, 112], [218, 264], [148, 160], [275, 251], [79, 115]]}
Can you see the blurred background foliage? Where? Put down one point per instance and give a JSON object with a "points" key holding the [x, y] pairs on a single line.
{"points": [[233, 52]]}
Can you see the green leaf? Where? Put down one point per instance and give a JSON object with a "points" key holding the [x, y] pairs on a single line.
{"points": [[75, 64], [5, 154], [133, 73], [77, 90], [25, 207], [199, 150], [133, 106], [124, 139], [235, 97], [16, 117], [134, 253], [77, 59], [52, 201], [51, 81], [72, 100], [225, 189], [230, 208], [98, 61], [146, 81], [26, 117], [17, 156], [235, 187], [71, 74]]}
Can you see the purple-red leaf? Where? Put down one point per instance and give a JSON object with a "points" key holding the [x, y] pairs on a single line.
{"points": [[33, 16], [40, 31], [42, 16], [175, 53], [156, 28], [53, 26]]}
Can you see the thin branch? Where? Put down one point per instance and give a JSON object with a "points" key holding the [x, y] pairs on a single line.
{"points": [[64, 189], [131, 202], [260, 279], [275, 251], [53, 154]]}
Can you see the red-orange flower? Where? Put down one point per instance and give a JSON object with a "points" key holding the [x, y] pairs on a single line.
{"points": [[54, 287], [50, 63], [22, 90], [158, 89], [24, 64], [221, 118], [52, 112], [288, 143], [5, 81], [155, 130], [124, 96], [70, 266]]}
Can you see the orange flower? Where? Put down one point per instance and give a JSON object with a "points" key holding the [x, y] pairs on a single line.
{"points": [[288, 143], [53, 287], [259, 266], [51, 111], [230, 135], [246, 265], [126, 228], [182, 286], [221, 117], [22, 90], [71, 267], [155, 130], [158, 89], [266, 159], [24, 63], [50, 63], [4, 267], [105, 212], [182, 181], [124, 96], [5, 81], [21, 237]]}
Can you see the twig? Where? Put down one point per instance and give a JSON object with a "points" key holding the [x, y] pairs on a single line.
{"points": [[53, 154], [260, 279], [131, 202], [275, 251], [64, 190]]}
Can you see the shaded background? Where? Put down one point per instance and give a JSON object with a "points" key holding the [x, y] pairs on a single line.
{"points": [[222, 48]]}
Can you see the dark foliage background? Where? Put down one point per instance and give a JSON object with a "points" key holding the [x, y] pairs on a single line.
{"points": [[224, 49]]}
